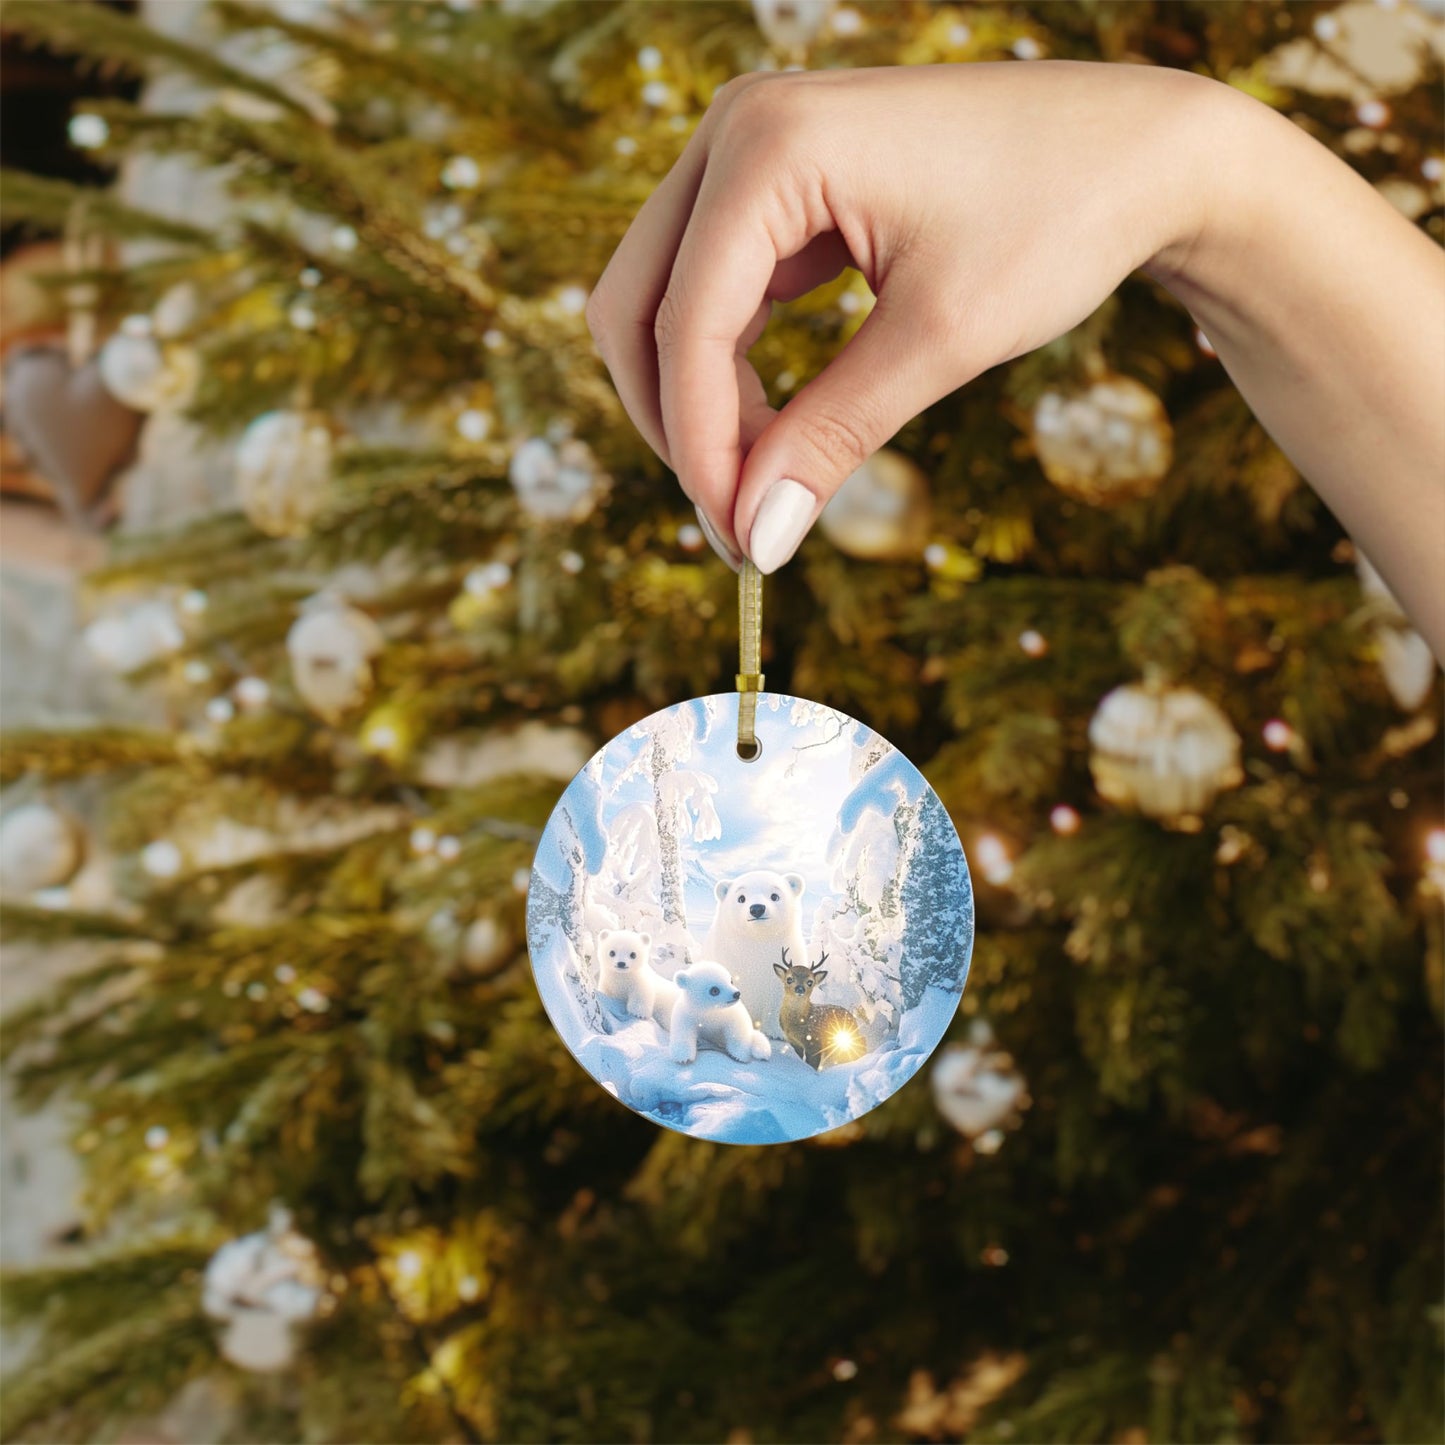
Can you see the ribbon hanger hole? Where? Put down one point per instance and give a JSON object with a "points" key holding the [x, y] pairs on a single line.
{"points": [[750, 654]]}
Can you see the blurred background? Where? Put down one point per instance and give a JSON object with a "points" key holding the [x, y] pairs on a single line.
{"points": [[329, 556]]}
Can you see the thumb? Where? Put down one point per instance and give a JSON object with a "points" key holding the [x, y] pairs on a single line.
{"points": [[902, 360]]}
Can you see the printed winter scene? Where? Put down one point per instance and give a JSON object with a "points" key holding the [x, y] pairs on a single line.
{"points": [[750, 951]]}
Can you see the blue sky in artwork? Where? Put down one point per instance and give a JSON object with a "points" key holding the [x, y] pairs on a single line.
{"points": [[777, 812]]}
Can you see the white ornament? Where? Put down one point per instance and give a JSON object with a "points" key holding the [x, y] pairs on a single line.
{"points": [[283, 470], [40, 847], [977, 1089], [252, 692], [555, 481], [331, 647], [1278, 735], [489, 577], [468, 760], [175, 313], [161, 859], [440, 221], [461, 173], [572, 300], [135, 637], [1164, 751], [261, 1287], [474, 425], [1108, 443], [258, 1340], [88, 132], [1405, 658], [141, 373], [313, 1000], [881, 512], [486, 946], [792, 25], [993, 857]]}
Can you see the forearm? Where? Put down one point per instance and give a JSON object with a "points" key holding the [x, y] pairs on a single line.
{"points": [[1327, 308]]}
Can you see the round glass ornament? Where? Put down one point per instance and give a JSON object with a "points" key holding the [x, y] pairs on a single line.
{"points": [[750, 949]]}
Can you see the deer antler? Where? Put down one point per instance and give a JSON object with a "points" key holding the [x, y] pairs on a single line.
{"points": [[821, 961], [786, 964]]}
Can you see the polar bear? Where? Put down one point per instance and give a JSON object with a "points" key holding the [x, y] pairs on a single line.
{"points": [[625, 973], [759, 914], [709, 1011]]}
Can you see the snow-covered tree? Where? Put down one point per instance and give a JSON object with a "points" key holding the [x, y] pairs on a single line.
{"points": [[682, 807], [937, 900]]}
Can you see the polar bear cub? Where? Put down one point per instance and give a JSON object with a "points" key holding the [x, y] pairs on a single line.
{"points": [[625, 973], [709, 1010], [759, 914]]}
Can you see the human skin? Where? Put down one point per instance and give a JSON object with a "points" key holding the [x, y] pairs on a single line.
{"points": [[991, 208]]}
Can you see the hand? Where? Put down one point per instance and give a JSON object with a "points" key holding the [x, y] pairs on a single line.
{"points": [[990, 207]]}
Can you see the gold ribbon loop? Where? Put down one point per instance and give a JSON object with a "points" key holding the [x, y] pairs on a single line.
{"points": [[750, 656]]}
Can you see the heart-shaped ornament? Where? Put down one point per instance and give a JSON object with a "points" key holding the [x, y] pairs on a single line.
{"points": [[74, 431]]}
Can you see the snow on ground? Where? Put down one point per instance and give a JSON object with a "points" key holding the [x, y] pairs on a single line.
{"points": [[765, 1101]]}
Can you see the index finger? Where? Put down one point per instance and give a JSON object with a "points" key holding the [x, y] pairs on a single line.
{"points": [[623, 307], [718, 287], [624, 302]]}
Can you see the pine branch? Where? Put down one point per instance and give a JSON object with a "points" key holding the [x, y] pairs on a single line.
{"points": [[124, 1369], [319, 172], [116, 40], [65, 925], [82, 751], [424, 1349], [98, 1287], [44, 1017], [523, 111], [51, 204]]}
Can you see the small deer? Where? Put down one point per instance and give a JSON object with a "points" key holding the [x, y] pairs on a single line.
{"points": [[822, 1033]]}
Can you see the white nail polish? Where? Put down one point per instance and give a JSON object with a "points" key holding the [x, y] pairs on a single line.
{"points": [[787, 511], [716, 542]]}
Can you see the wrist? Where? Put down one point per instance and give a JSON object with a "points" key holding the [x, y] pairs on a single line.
{"points": [[1221, 138]]}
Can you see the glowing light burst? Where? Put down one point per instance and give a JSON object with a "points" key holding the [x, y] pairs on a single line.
{"points": [[845, 1043]]}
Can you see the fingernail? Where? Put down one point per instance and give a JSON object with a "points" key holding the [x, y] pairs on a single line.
{"points": [[782, 522], [716, 542]]}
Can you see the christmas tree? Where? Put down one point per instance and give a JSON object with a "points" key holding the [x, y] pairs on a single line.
{"points": [[338, 1163]]}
